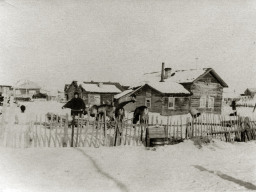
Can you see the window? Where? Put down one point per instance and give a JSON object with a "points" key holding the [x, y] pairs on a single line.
{"points": [[203, 102], [32, 92], [94, 99], [171, 102], [148, 102], [17, 92], [211, 102]]}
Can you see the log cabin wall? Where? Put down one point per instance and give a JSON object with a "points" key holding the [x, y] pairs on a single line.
{"points": [[181, 105], [207, 86], [104, 97], [147, 92], [159, 102]]}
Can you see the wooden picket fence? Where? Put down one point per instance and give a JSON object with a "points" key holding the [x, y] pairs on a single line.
{"points": [[59, 131]]}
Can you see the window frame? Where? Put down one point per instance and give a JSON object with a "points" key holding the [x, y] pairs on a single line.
{"points": [[148, 99], [173, 107], [200, 101], [212, 103]]}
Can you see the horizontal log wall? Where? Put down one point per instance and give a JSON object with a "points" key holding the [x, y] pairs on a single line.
{"points": [[207, 86]]}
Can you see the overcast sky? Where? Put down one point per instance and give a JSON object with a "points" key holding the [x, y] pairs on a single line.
{"points": [[54, 42]]}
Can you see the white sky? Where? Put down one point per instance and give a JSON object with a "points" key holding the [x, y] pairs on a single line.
{"points": [[54, 42]]}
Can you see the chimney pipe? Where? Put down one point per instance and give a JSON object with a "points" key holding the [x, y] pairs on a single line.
{"points": [[100, 84], [162, 73], [167, 73]]}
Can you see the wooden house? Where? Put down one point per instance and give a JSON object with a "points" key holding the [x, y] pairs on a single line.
{"points": [[96, 93], [93, 93], [160, 97], [204, 85]]}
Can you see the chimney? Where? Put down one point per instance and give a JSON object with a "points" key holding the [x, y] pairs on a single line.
{"points": [[167, 73], [162, 73], [100, 84]]}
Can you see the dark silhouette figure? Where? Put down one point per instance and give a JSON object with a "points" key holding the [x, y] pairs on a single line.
{"points": [[140, 113], [22, 108], [76, 105], [233, 105]]}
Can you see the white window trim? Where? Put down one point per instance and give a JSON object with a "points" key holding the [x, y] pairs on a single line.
{"points": [[173, 103], [146, 102], [211, 107], [201, 104]]}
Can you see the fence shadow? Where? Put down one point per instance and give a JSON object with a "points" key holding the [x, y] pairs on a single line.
{"points": [[247, 185]]}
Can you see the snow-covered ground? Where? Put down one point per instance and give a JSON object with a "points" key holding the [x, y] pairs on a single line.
{"points": [[218, 166]]}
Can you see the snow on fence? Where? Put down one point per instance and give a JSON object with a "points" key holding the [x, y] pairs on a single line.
{"points": [[59, 131]]}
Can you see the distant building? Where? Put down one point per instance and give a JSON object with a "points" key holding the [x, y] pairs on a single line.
{"points": [[5, 90], [251, 92], [25, 89], [93, 93]]}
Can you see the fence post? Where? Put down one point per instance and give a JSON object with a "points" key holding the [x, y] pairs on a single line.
{"points": [[73, 129], [65, 138], [186, 132], [167, 131], [77, 129]]}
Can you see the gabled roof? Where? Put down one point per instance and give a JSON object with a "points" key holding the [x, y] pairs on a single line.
{"points": [[118, 85], [102, 88], [184, 76], [119, 95], [26, 84], [161, 87], [168, 87]]}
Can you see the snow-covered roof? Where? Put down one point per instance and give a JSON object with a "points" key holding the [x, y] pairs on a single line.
{"points": [[103, 88], [182, 76], [117, 96], [187, 76], [168, 87], [26, 84], [178, 76]]}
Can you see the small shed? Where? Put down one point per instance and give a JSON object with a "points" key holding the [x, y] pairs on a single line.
{"points": [[96, 93]]}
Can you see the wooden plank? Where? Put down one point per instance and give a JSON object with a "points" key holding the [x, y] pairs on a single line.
{"points": [[65, 136], [167, 128]]}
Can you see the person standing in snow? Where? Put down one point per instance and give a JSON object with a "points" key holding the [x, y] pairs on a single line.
{"points": [[76, 105], [233, 105]]}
